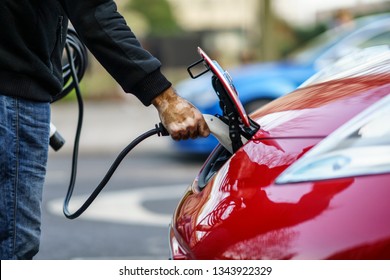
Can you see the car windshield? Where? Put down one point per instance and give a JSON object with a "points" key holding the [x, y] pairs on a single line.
{"points": [[374, 60], [371, 26], [310, 51]]}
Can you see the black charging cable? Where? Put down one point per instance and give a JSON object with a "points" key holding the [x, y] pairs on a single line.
{"points": [[76, 55], [159, 130]]}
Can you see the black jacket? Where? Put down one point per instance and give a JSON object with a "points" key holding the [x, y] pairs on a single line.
{"points": [[32, 38]]}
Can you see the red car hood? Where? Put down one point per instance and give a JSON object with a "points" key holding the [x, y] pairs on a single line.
{"points": [[317, 110], [241, 214]]}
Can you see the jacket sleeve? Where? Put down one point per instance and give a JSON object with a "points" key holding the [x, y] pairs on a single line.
{"points": [[107, 35]]}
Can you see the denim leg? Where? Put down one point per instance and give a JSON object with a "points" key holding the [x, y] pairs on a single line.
{"points": [[24, 137]]}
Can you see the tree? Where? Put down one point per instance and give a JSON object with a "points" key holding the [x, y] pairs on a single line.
{"points": [[158, 15]]}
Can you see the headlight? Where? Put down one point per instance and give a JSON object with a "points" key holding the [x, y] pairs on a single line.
{"points": [[360, 147]]}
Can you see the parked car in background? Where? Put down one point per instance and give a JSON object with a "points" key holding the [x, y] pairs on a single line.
{"points": [[312, 183], [259, 83]]}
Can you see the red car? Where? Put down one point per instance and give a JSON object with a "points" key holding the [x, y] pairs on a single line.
{"points": [[311, 180]]}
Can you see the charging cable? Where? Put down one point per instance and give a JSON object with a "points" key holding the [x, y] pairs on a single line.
{"points": [[73, 71], [159, 130]]}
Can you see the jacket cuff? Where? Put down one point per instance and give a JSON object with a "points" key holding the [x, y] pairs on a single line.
{"points": [[150, 87]]}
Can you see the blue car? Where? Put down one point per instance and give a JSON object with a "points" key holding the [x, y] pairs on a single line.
{"points": [[259, 83]]}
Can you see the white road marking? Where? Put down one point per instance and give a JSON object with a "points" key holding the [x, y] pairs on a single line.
{"points": [[124, 206]]}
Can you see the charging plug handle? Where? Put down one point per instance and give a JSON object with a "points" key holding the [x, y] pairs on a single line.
{"points": [[161, 130], [221, 131], [56, 140]]}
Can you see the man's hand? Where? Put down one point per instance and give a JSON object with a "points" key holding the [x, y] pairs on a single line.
{"points": [[180, 117]]}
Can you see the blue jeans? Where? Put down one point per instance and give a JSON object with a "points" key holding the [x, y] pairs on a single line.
{"points": [[24, 141]]}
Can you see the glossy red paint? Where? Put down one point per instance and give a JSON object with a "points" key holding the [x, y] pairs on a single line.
{"points": [[319, 109], [243, 214]]}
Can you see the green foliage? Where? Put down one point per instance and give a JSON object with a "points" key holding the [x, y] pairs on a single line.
{"points": [[304, 35], [158, 15]]}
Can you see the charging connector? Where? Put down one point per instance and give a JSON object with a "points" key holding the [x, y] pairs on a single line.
{"points": [[56, 141], [221, 131], [161, 130]]}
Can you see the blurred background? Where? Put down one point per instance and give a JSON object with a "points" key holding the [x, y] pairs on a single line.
{"points": [[233, 32], [129, 219]]}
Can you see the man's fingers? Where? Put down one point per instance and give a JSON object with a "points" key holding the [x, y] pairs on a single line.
{"points": [[180, 117], [204, 129], [189, 129]]}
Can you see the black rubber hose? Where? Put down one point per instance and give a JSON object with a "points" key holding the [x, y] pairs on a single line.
{"points": [[159, 130], [79, 55]]}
